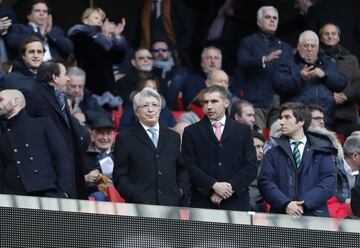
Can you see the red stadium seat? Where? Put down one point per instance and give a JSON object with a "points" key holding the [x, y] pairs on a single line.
{"points": [[116, 114]]}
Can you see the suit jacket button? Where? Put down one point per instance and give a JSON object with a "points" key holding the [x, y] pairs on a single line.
{"points": [[159, 173], [26, 145], [157, 156], [159, 191], [36, 171], [17, 176], [8, 129], [31, 158], [220, 164], [15, 150], [220, 145], [18, 162]]}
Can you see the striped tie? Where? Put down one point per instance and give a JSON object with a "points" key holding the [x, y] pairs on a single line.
{"points": [[296, 152]]}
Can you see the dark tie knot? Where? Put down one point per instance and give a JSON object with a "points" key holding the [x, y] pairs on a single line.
{"points": [[296, 143]]}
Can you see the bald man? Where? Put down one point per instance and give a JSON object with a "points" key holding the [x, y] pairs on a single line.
{"points": [[33, 160], [309, 79]]}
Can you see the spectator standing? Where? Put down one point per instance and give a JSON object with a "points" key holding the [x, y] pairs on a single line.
{"points": [[346, 112], [98, 44], [257, 58], [298, 175], [40, 24], [158, 176], [32, 153], [220, 156], [309, 79]]}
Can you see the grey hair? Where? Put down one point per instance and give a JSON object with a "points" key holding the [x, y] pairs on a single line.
{"points": [[352, 145], [321, 31], [306, 34], [206, 49], [146, 92], [261, 10], [76, 71]]}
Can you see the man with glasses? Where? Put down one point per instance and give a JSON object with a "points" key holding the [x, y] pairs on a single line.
{"points": [[171, 76], [148, 166], [141, 67], [309, 79], [317, 115]]}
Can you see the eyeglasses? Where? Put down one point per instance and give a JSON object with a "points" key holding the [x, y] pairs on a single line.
{"points": [[160, 50], [148, 105], [145, 57]]}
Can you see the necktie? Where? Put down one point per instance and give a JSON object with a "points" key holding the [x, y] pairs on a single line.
{"points": [[296, 152], [60, 96], [154, 137], [217, 126]]}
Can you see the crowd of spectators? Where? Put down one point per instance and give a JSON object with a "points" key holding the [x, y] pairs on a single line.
{"points": [[183, 137]]}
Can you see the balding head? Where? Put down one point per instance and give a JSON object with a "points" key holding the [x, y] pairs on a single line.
{"points": [[11, 102], [217, 77], [308, 46]]}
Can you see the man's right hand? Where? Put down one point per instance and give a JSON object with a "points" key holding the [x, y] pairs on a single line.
{"points": [[273, 55], [295, 208], [223, 189]]}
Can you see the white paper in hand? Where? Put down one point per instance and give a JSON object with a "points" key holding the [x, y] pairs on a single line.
{"points": [[107, 166]]}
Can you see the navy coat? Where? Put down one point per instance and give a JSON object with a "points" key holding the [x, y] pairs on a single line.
{"points": [[60, 46], [314, 183], [290, 85], [146, 174], [257, 79], [41, 102], [38, 153], [231, 160], [96, 54]]}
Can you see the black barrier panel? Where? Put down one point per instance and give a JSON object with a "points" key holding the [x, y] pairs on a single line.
{"points": [[47, 228]]}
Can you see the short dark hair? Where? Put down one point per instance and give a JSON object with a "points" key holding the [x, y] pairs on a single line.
{"points": [[300, 111], [313, 107], [216, 88], [143, 81], [237, 107], [48, 69], [257, 135], [27, 41], [33, 2]]}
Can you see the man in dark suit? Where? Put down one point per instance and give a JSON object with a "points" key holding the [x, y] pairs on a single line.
{"points": [[47, 99], [257, 56], [40, 24], [148, 166], [220, 156], [33, 157]]}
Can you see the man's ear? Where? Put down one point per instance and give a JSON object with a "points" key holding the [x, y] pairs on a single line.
{"points": [[133, 62], [54, 78]]}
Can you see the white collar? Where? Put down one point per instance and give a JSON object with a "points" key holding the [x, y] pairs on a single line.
{"points": [[222, 121], [157, 126]]}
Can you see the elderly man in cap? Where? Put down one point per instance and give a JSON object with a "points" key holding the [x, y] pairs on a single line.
{"points": [[99, 158]]}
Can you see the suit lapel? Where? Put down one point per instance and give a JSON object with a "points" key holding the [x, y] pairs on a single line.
{"points": [[163, 138], [227, 129], [141, 134], [51, 99], [208, 129]]}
